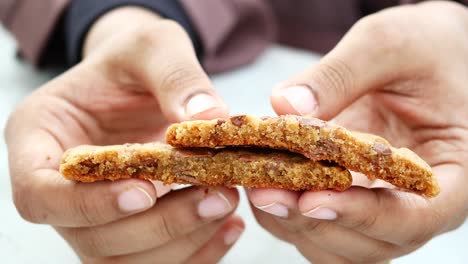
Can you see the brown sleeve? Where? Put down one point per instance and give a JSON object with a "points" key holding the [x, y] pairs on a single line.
{"points": [[465, 2], [31, 22], [232, 32]]}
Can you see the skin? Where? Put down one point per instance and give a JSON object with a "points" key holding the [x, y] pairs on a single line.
{"points": [[402, 74], [387, 76], [134, 80]]}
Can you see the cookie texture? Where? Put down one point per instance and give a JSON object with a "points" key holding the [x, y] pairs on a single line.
{"points": [[315, 139], [249, 167]]}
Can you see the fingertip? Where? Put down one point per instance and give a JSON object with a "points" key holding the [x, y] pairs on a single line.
{"points": [[233, 233], [205, 106], [134, 195], [293, 99], [230, 193], [121, 184], [280, 105], [333, 200], [277, 202], [221, 111], [217, 202], [237, 221], [233, 229], [263, 196]]}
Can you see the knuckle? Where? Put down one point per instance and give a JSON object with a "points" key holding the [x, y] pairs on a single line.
{"points": [[151, 35], [86, 242], [431, 221], [337, 75], [178, 76], [88, 213], [192, 244], [23, 204], [365, 223], [9, 131], [165, 230], [418, 239], [380, 29], [447, 6], [285, 234], [145, 36], [171, 27], [316, 227], [377, 254]]}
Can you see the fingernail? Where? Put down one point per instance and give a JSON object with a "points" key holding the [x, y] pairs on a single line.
{"points": [[232, 235], [300, 98], [321, 213], [277, 209], [214, 205], [134, 199], [200, 103]]}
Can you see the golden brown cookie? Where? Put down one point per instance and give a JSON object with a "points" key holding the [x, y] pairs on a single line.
{"points": [[315, 139], [248, 167]]}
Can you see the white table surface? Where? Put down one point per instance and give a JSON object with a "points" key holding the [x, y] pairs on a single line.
{"points": [[246, 90]]}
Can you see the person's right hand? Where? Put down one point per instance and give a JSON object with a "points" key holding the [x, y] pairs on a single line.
{"points": [[139, 74]]}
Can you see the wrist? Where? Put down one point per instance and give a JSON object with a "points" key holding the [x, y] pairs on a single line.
{"points": [[115, 22]]}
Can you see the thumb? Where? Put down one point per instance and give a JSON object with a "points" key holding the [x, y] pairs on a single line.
{"points": [[166, 64], [353, 68]]}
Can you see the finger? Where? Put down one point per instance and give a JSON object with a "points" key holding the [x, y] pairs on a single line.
{"points": [[317, 255], [375, 213], [223, 240], [41, 194], [167, 66], [277, 202], [59, 202], [263, 208], [269, 223], [206, 245], [353, 68], [351, 244], [175, 215], [311, 245]]}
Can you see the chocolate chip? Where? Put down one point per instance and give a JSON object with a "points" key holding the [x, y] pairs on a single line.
{"points": [[88, 163], [326, 147], [238, 120], [148, 162], [328, 163], [381, 149], [219, 122], [188, 178], [311, 122]]}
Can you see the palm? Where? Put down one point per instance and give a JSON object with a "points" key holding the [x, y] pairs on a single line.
{"points": [[103, 113], [404, 121]]}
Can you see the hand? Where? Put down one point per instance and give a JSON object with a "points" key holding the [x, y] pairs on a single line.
{"points": [[139, 74], [401, 74]]}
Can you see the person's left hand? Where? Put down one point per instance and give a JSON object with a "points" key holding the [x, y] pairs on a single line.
{"points": [[401, 74]]}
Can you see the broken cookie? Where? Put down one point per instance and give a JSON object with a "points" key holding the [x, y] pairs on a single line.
{"points": [[316, 140], [249, 167]]}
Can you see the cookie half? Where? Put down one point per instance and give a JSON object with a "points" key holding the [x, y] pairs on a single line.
{"points": [[249, 167], [315, 139]]}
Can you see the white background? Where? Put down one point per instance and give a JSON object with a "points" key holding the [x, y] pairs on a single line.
{"points": [[246, 91]]}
